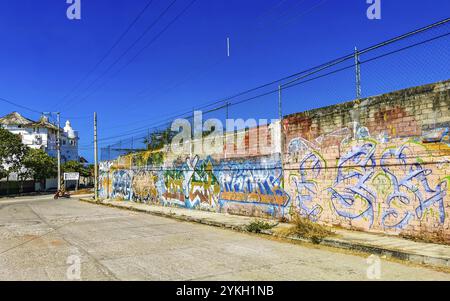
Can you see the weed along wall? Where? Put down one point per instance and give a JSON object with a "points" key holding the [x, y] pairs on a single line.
{"points": [[377, 164]]}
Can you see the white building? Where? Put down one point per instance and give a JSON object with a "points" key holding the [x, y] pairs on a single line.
{"points": [[42, 135]]}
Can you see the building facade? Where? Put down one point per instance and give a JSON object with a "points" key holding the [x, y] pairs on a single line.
{"points": [[42, 134]]}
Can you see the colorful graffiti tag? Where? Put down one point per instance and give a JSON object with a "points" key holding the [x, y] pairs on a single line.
{"points": [[371, 185], [350, 195], [361, 183], [258, 183], [374, 185], [307, 187], [367, 184], [203, 186], [146, 186], [412, 186], [121, 185]]}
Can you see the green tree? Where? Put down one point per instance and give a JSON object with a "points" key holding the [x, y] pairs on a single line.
{"points": [[75, 166], [12, 152], [71, 166], [157, 140], [3, 173], [38, 165], [85, 171]]}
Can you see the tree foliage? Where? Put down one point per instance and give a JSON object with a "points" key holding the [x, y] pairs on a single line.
{"points": [[39, 165], [157, 140], [75, 166], [12, 152]]}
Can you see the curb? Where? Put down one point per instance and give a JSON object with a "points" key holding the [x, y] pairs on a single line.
{"points": [[433, 261], [183, 218]]}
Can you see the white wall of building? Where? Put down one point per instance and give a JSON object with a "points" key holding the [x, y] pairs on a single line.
{"points": [[45, 139]]}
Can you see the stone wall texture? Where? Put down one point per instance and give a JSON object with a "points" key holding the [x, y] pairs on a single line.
{"points": [[377, 164]]}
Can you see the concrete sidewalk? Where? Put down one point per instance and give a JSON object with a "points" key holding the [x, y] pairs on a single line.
{"points": [[390, 246]]}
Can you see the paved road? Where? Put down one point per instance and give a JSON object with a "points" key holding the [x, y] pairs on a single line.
{"points": [[44, 239]]}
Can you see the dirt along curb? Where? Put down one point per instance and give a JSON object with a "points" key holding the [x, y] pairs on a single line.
{"points": [[335, 242]]}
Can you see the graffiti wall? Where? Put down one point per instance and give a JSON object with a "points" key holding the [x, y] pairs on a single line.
{"points": [[379, 164], [396, 186], [252, 187], [247, 186]]}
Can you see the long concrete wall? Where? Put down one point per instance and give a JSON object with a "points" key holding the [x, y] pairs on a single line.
{"points": [[377, 164]]}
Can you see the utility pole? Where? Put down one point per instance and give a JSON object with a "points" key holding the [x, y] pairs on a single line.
{"points": [[280, 117], [58, 148], [357, 74], [227, 115], [95, 158]]}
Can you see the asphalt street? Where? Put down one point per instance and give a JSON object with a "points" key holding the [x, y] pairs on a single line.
{"points": [[46, 239]]}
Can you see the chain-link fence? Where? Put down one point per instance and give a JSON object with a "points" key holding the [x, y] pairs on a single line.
{"points": [[416, 58]]}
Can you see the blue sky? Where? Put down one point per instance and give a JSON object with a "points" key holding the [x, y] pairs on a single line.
{"points": [[43, 55]]}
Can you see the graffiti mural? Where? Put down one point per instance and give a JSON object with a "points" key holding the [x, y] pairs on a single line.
{"points": [[203, 186], [379, 185], [257, 183], [362, 183], [121, 185], [351, 196], [412, 194], [307, 188], [104, 181], [192, 184], [381, 165], [104, 184], [173, 191], [146, 186]]}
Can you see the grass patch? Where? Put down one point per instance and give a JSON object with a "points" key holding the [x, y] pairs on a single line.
{"points": [[257, 226], [436, 238], [305, 228]]}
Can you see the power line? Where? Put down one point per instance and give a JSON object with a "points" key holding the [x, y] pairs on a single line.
{"points": [[121, 37], [37, 111], [123, 54], [156, 125], [19, 105], [189, 78], [140, 51], [314, 70], [292, 84], [312, 8], [379, 45]]}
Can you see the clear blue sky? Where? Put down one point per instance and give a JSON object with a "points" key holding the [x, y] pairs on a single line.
{"points": [[43, 55]]}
